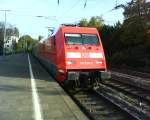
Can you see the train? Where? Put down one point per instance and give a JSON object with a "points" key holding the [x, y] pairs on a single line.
{"points": [[74, 56]]}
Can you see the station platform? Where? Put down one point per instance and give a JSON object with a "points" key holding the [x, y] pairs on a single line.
{"points": [[17, 101]]}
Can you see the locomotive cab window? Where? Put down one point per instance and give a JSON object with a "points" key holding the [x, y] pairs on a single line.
{"points": [[81, 39]]}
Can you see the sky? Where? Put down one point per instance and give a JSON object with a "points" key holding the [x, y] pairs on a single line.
{"points": [[23, 14]]}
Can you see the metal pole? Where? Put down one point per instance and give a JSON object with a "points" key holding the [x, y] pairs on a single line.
{"points": [[4, 35], [4, 39]]}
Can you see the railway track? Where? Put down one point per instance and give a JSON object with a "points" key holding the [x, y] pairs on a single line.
{"points": [[137, 92], [138, 81], [132, 82], [98, 107], [116, 99], [135, 97], [132, 72]]}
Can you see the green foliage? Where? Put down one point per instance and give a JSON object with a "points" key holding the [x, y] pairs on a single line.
{"points": [[16, 32], [96, 22], [26, 43], [129, 43], [1, 41], [83, 23], [133, 33], [111, 38], [10, 31], [136, 8], [120, 57]]}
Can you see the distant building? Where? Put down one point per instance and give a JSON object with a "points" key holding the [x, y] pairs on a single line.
{"points": [[10, 43]]}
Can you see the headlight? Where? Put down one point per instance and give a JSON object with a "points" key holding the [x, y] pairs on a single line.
{"points": [[70, 62], [61, 71], [99, 62]]}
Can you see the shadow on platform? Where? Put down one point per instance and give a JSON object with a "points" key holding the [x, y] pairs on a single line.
{"points": [[17, 66]]}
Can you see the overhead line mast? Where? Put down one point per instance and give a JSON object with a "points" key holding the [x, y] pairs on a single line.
{"points": [[4, 38]]}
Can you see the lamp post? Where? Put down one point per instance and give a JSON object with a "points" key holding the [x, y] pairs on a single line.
{"points": [[4, 30]]}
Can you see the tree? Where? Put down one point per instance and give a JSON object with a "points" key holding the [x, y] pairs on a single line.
{"points": [[1, 41], [83, 23], [136, 8], [10, 31], [96, 22], [111, 39], [26, 43], [16, 32], [133, 36], [136, 24]]}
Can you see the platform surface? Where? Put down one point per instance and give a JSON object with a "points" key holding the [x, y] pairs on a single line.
{"points": [[16, 92]]}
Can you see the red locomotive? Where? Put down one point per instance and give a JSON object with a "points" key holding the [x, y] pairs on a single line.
{"points": [[74, 54]]}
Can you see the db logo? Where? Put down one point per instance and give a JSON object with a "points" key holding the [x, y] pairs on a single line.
{"points": [[83, 48], [85, 55]]}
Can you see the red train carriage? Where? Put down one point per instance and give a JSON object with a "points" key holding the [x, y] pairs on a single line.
{"points": [[74, 54]]}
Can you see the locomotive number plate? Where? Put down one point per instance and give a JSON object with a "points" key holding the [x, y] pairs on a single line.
{"points": [[86, 63], [85, 55]]}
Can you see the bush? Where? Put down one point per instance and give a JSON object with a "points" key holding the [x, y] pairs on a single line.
{"points": [[119, 58]]}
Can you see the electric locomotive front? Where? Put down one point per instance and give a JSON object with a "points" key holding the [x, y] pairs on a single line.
{"points": [[84, 55]]}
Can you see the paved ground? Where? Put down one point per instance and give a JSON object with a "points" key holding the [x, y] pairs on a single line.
{"points": [[16, 92]]}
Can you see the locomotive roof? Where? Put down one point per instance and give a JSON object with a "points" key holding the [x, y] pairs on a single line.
{"points": [[78, 29], [72, 27]]}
